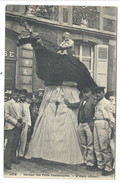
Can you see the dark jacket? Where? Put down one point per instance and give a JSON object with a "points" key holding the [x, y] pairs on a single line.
{"points": [[88, 110]]}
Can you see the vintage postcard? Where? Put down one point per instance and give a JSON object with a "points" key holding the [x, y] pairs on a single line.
{"points": [[60, 91]]}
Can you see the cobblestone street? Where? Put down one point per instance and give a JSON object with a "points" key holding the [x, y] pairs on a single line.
{"points": [[46, 169]]}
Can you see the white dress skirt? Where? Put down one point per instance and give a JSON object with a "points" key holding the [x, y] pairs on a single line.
{"points": [[55, 132]]}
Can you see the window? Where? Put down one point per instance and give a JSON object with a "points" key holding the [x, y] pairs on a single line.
{"points": [[84, 52], [86, 16], [109, 25], [65, 15]]}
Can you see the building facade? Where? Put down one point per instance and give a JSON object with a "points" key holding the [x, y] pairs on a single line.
{"points": [[93, 30]]}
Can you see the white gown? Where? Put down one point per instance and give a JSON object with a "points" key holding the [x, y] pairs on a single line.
{"points": [[55, 132]]}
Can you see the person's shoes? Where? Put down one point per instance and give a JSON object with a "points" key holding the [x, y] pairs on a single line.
{"points": [[106, 173], [91, 167], [83, 164], [98, 169], [21, 158], [7, 166], [16, 161]]}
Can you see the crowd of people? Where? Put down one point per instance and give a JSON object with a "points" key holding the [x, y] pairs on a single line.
{"points": [[21, 111], [94, 137]]}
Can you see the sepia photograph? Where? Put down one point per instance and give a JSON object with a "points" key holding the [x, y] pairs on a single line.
{"points": [[60, 91]]}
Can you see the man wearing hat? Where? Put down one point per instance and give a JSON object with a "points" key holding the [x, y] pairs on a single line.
{"points": [[7, 95], [27, 120], [86, 108], [102, 132], [13, 126], [85, 128]]}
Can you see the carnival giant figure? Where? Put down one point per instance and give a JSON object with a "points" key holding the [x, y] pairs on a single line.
{"points": [[55, 132]]}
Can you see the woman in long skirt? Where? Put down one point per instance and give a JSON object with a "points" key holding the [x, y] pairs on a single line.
{"points": [[55, 132]]}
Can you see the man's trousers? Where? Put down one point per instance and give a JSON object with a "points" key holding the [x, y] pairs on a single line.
{"points": [[12, 138], [23, 141], [85, 136], [102, 137]]}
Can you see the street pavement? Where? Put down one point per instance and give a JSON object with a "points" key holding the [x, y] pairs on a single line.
{"points": [[37, 168]]}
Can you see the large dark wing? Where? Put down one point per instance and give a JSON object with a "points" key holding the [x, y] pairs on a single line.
{"points": [[54, 67]]}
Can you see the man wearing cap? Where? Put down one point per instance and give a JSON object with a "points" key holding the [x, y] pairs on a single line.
{"points": [[7, 96], [85, 128], [67, 46], [27, 120], [102, 132], [13, 126], [86, 108]]}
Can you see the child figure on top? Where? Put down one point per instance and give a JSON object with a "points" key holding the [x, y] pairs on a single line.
{"points": [[67, 45]]}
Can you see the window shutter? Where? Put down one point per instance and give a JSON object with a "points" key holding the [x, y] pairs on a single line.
{"points": [[101, 65]]}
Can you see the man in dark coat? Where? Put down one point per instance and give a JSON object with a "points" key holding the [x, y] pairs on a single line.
{"points": [[86, 108]]}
